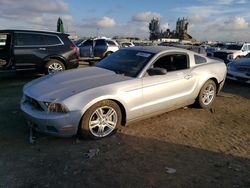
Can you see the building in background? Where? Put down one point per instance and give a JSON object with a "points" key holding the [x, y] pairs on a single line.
{"points": [[181, 32]]}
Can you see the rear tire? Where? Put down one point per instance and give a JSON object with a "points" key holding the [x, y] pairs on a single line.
{"points": [[100, 120], [207, 94], [53, 66]]}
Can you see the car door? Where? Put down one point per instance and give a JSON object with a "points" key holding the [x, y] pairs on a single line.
{"points": [[86, 48], [29, 49], [171, 90], [100, 48]]}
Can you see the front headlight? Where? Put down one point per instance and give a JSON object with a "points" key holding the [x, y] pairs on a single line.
{"points": [[56, 107]]}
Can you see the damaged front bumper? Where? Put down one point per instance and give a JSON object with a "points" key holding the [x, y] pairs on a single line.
{"points": [[56, 124]]}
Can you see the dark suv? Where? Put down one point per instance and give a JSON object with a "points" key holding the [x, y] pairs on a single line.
{"points": [[48, 52]]}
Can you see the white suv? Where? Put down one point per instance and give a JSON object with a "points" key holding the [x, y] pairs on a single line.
{"points": [[233, 51]]}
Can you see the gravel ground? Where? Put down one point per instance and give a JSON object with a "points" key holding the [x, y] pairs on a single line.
{"points": [[187, 147]]}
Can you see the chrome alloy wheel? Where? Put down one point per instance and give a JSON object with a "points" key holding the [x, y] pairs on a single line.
{"points": [[208, 94], [103, 121], [54, 68]]}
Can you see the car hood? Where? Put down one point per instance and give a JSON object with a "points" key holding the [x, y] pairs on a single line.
{"points": [[243, 62], [67, 83]]}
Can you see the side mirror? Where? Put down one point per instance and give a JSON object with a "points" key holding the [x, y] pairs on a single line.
{"points": [[157, 71]]}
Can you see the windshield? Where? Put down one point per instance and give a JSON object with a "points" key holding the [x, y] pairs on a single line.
{"points": [[234, 47], [127, 62]]}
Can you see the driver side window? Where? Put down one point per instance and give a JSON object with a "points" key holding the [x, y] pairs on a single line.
{"points": [[172, 62]]}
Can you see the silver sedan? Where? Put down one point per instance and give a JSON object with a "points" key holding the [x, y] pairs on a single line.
{"points": [[129, 85]]}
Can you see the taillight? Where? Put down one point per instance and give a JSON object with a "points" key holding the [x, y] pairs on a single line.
{"points": [[74, 48]]}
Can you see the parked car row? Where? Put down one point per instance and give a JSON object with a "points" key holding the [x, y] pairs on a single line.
{"points": [[237, 58], [50, 52], [232, 51]]}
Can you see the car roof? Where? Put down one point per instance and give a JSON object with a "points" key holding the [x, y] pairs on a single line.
{"points": [[30, 31], [157, 49]]}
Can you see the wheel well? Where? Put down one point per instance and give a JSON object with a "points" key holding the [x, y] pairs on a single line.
{"points": [[123, 111], [216, 83], [59, 59]]}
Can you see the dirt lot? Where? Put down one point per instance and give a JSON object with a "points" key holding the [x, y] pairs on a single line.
{"points": [[206, 148]]}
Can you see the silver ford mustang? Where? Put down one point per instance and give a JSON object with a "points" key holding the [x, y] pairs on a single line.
{"points": [[131, 84]]}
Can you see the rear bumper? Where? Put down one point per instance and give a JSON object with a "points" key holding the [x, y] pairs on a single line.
{"points": [[72, 64], [56, 124]]}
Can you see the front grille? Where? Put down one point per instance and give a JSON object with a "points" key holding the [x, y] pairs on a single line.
{"points": [[33, 103], [221, 55]]}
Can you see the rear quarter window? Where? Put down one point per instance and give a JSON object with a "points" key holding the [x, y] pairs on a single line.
{"points": [[52, 40], [199, 60]]}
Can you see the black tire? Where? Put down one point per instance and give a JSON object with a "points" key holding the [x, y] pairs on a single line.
{"points": [[205, 97], [93, 133], [56, 64]]}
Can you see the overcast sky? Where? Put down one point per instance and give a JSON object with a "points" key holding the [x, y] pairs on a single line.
{"points": [[225, 20]]}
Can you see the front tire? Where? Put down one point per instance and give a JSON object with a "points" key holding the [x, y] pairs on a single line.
{"points": [[100, 120], [207, 94], [53, 66]]}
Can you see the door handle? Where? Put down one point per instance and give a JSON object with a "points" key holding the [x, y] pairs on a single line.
{"points": [[42, 48], [188, 77]]}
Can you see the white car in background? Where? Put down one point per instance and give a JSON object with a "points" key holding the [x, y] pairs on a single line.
{"points": [[232, 52], [127, 44]]}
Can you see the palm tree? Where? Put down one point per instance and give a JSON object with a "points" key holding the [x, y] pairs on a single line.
{"points": [[60, 27]]}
